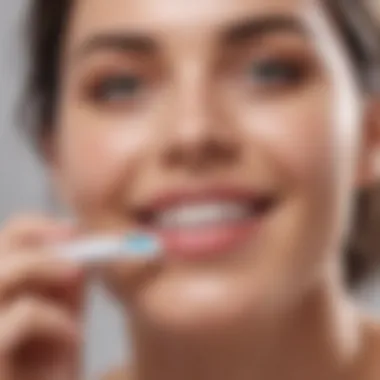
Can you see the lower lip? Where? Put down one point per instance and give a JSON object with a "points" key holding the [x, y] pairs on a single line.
{"points": [[207, 241]]}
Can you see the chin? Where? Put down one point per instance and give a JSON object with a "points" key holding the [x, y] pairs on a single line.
{"points": [[198, 303]]}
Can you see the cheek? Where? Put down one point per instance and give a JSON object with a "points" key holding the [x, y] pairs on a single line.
{"points": [[299, 136], [96, 156]]}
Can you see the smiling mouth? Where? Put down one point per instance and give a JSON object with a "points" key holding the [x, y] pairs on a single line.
{"points": [[207, 223]]}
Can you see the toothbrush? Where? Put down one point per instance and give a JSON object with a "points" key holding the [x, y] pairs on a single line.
{"points": [[108, 248]]}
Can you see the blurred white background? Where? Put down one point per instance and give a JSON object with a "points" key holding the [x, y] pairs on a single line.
{"points": [[24, 189]]}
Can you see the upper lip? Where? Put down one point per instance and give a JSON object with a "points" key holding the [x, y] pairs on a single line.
{"points": [[170, 199]]}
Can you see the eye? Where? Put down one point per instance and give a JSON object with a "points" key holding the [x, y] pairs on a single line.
{"points": [[272, 72], [117, 88]]}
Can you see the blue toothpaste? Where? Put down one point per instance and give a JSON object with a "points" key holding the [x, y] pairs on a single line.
{"points": [[103, 249]]}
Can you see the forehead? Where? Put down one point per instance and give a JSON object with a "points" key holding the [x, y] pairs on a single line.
{"points": [[171, 17]]}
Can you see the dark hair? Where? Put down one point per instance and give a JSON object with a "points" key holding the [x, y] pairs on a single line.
{"points": [[46, 31]]}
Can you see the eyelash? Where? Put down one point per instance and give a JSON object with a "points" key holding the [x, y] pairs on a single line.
{"points": [[116, 88], [265, 75], [275, 73]]}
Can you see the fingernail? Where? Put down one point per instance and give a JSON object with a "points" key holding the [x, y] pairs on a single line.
{"points": [[61, 233]]}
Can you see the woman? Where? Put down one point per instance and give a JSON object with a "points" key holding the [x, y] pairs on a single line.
{"points": [[239, 131]]}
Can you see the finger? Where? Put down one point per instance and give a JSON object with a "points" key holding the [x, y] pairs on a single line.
{"points": [[33, 230], [28, 272], [31, 319], [71, 296], [126, 278]]}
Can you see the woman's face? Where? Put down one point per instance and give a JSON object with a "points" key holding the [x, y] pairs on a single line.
{"points": [[212, 123]]}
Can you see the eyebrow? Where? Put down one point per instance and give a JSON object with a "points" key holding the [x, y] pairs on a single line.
{"points": [[259, 27], [125, 42], [117, 41]]}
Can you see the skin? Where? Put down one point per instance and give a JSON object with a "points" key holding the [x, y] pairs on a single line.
{"points": [[276, 307], [40, 317]]}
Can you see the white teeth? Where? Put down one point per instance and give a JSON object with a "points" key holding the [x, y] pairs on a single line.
{"points": [[200, 214]]}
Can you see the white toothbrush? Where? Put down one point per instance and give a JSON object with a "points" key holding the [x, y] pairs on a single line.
{"points": [[108, 248]]}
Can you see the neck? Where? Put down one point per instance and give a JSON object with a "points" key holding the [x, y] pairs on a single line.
{"points": [[317, 339]]}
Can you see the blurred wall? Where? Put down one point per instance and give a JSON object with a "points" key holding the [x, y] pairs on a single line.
{"points": [[22, 184]]}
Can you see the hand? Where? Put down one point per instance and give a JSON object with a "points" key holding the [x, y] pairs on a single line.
{"points": [[40, 303]]}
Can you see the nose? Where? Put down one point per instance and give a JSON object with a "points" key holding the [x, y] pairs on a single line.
{"points": [[198, 136]]}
